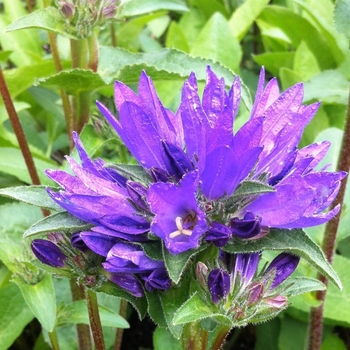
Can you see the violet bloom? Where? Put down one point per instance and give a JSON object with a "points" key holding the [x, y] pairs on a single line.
{"points": [[48, 253], [178, 220], [97, 195]]}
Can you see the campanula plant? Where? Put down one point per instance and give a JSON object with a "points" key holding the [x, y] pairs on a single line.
{"points": [[195, 216]]}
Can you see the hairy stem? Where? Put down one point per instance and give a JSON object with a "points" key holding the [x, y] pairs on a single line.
{"points": [[95, 322], [119, 335], [83, 330], [328, 244]]}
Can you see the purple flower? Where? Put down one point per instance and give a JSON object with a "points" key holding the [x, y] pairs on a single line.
{"points": [[129, 258], [178, 220], [281, 268], [97, 195], [218, 284], [48, 253], [127, 281]]}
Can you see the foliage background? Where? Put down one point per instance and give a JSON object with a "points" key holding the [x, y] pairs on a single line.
{"points": [[296, 40]]}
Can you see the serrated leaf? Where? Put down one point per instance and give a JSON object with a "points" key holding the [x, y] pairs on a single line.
{"points": [[140, 7], [140, 304], [132, 172], [294, 241], [166, 64], [195, 308], [171, 301], [248, 188], [77, 312], [176, 264], [14, 315], [155, 309], [47, 19], [62, 221], [34, 195], [74, 81], [41, 299]]}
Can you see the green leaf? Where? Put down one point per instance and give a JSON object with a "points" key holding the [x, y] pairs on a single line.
{"points": [[242, 19], [341, 17], [176, 38], [165, 65], [140, 7], [332, 342], [77, 313], [21, 79], [14, 315], [293, 334], [305, 63], [41, 299], [273, 61], [132, 172], [62, 221], [337, 306], [60, 272], [195, 308], [337, 43], [155, 309], [293, 241], [267, 335], [74, 81], [4, 55], [176, 264], [48, 19], [26, 47], [248, 188], [34, 195], [294, 27], [140, 304], [329, 86], [301, 285], [162, 336], [171, 301], [216, 42]]}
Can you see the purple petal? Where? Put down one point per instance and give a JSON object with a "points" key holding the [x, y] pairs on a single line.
{"points": [[128, 282], [219, 234], [178, 221], [99, 243]]}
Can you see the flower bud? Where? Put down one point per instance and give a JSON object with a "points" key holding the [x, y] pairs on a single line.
{"points": [[247, 227], [78, 243], [157, 279], [219, 234], [201, 273], [246, 265], [137, 193], [218, 284], [48, 253], [282, 267], [127, 281], [278, 302]]}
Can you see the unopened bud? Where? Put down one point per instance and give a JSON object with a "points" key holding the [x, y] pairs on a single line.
{"points": [[48, 253]]}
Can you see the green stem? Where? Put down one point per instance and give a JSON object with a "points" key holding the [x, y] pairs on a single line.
{"points": [[80, 53], [54, 340], [83, 330], [119, 335], [329, 240], [113, 36], [82, 109], [65, 100], [95, 322], [93, 52]]}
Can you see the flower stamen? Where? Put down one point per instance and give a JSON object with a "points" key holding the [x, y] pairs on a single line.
{"points": [[180, 230]]}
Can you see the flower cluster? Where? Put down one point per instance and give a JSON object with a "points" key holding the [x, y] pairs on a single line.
{"points": [[201, 184], [82, 15], [237, 288]]}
